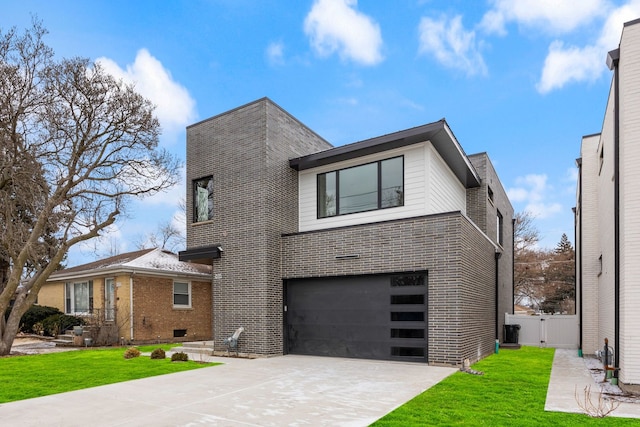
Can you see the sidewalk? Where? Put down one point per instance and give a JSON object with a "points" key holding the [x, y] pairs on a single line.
{"points": [[570, 374]]}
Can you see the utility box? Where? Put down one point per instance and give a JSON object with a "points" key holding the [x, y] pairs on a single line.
{"points": [[511, 334]]}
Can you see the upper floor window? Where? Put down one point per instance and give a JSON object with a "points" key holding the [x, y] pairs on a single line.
{"points": [[376, 185], [203, 199], [499, 226]]}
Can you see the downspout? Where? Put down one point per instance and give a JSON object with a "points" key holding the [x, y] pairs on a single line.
{"points": [[513, 265], [497, 257], [613, 59], [131, 307], [577, 224]]}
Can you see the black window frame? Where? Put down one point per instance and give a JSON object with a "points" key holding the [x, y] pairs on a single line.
{"points": [[337, 188], [194, 185]]}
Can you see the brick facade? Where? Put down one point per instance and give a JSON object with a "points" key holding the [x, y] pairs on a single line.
{"points": [[155, 318], [255, 221], [458, 257], [482, 209], [255, 200]]}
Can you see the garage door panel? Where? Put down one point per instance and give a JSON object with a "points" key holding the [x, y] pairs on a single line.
{"points": [[363, 317]]}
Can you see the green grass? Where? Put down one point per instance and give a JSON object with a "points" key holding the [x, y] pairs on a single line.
{"points": [[512, 392], [24, 377]]}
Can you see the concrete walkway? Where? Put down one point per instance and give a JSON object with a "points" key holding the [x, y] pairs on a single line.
{"points": [[287, 390], [569, 374]]}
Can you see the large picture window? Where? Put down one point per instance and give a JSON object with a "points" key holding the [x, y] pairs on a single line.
{"points": [[79, 297], [376, 185], [203, 199]]}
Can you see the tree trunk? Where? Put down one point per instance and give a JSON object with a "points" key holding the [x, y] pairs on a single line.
{"points": [[8, 334]]}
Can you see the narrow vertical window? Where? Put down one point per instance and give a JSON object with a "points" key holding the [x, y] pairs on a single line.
{"points": [[392, 183], [327, 194], [499, 228], [203, 199]]}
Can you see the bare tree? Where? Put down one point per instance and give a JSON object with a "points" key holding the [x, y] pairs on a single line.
{"points": [[166, 236], [526, 234], [528, 274], [75, 146]]}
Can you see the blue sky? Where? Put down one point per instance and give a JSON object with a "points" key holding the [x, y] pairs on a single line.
{"points": [[522, 80]]}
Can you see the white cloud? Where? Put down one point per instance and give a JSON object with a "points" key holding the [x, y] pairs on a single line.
{"points": [[175, 108], [275, 53], [555, 16], [451, 45], [566, 64], [533, 191], [336, 26]]}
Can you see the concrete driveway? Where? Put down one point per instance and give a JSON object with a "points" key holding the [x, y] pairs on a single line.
{"points": [[287, 390]]}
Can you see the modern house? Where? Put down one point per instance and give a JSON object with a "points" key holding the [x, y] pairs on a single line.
{"points": [[607, 224], [143, 296], [399, 247]]}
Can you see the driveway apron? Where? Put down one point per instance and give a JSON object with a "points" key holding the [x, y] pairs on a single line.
{"points": [[287, 390]]}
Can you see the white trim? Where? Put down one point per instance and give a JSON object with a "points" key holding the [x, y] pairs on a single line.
{"points": [[189, 294]]}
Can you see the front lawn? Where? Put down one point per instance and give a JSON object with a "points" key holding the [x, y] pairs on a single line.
{"points": [[24, 377], [511, 392]]}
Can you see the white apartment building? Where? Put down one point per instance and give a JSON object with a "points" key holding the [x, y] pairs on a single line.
{"points": [[607, 220]]}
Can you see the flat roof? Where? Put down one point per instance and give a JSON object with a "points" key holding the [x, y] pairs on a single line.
{"points": [[438, 133]]}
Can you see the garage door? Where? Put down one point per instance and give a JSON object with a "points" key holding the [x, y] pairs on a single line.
{"points": [[371, 317]]}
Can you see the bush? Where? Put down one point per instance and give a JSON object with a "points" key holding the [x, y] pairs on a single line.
{"points": [[179, 357], [158, 353], [36, 314], [58, 323], [131, 353]]}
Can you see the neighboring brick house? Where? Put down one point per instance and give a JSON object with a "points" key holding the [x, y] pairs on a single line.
{"points": [[147, 295], [607, 221], [398, 247]]}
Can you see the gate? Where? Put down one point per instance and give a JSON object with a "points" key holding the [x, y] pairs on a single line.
{"points": [[557, 331]]}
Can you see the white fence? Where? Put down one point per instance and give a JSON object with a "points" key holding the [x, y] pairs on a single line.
{"points": [[558, 331]]}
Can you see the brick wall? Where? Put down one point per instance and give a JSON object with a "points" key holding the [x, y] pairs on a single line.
{"points": [[255, 201], [155, 318], [483, 212], [459, 260]]}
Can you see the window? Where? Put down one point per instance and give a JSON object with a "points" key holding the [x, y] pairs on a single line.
{"points": [[372, 186], [600, 159], [203, 199], [79, 297], [490, 193], [417, 280], [182, 294], [499, 224]]}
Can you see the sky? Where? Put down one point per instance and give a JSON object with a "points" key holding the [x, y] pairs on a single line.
{"points": [[522, 80]]}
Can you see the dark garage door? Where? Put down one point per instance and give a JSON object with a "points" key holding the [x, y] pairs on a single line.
{"points": [[371, 317]]}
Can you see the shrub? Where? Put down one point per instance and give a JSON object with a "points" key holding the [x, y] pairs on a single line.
{"points": [[58, 323], [131, 353], [158, 353], [179, 357], [36, 314]]}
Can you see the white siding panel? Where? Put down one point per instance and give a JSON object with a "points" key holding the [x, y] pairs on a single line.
{"points": [[419, 184], [590, 245], [630, 205], [446, 192]]}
